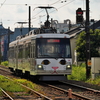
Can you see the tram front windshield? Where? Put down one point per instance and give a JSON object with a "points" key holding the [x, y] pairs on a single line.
{"points": [[53, 48]]}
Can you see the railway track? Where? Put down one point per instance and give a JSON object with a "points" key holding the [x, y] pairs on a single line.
{"points": [[64, 91], [34, 94], [5, 71], [79, 91], [45, 93], [82, 87], [6, 96], [91, 93], [37, 95]]}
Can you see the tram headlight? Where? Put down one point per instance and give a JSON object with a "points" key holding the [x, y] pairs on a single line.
{"points": [[68, 67], [39, 66]]}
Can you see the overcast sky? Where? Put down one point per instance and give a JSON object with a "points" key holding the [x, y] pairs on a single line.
{"points": [[13, 11]]}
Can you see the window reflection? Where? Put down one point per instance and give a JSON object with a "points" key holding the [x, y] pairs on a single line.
{"points": [[45, 49]]}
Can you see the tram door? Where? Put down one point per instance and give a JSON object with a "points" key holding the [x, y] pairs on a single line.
{"points": [[32, 54], [16, 56], [23, 56]]}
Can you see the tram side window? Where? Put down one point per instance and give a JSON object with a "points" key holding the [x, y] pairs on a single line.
{"points": [[32, 50], [20, 53], [11, 52], [68, 54], [27, 50]]}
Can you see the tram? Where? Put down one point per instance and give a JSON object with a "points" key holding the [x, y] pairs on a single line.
{"points": [[42, 54]]}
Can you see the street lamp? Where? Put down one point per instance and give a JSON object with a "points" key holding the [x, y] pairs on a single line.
{"points": [[22, 25]]}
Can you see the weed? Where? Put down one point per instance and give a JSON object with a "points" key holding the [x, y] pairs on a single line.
{"points": [[28, 83], [5, 63], [78, 73], [9, 85], [95, 81]]}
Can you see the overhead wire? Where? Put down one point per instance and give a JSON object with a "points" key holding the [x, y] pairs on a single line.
{"points": [[38, 4], [26, 4], [50, 4], [2, 4], [66, 4], [38, 13], [55, 2], [57, 8]]}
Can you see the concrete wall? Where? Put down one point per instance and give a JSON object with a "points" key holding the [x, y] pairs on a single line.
{"points": [[95, 67]]}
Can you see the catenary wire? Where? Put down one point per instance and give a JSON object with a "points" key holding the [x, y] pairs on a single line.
{"points": [[57, 8], [2, 4]]}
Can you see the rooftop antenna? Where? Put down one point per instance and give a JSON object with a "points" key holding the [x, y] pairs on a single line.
{"points": [[47, 23]]}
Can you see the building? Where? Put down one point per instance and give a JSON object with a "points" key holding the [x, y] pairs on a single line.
{"points": [[19, 32], [73, 37], [61, 27], [4, 42], [7, 36]]}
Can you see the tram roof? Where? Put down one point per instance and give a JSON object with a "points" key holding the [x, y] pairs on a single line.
{"points": [[52, 36], [32, 36]]}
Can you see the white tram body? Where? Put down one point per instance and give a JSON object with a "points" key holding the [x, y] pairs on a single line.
{"points": [[46, 56]]}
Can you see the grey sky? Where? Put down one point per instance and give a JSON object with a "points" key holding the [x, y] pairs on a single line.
{"points": [[13, 11]]}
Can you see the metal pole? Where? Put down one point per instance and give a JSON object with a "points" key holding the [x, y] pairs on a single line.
{"points": [[0, 50], [88, 57], [29, 18], [8, 37]]}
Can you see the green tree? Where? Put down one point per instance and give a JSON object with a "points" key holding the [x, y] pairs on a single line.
{"points": [[94, 44]]}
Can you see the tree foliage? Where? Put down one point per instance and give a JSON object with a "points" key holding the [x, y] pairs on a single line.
{"points": [[94, 44]]}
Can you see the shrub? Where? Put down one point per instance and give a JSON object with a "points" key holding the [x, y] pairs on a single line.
{"points": [[78, 73], [5, 63], [8, 85], [95, 81]]}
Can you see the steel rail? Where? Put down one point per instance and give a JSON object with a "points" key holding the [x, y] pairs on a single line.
{"points": [[6, 94], [75, 95], [41, 95], [46, 98], [86, 88]]}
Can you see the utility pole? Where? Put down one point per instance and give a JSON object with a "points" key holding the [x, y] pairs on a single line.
{"points": [[88, 57], [8, 37], [8, 41], [29, 18], [0, 50]]}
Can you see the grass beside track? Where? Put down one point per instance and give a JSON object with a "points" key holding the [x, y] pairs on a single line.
{"points": [[11, 86], [79, 74]]}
